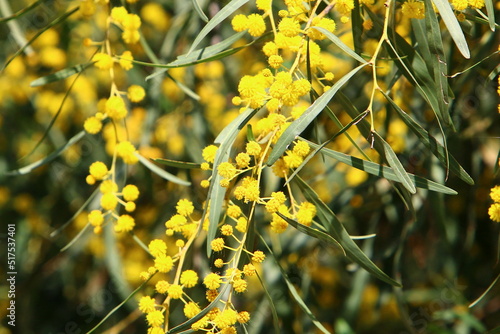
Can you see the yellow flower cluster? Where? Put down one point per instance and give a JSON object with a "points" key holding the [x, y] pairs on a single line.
{"points": [[494, 210]]}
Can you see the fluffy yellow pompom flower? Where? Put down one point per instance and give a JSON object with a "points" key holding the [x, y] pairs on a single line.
{"points": [[155, 318], [103, 61], [115, 108], [209, 152], [264, 5], [270, 49], [413, 9], [174, 291], [95, 218], [126, 151], [226, 318], [189, 278], [98, 170], [191, 309], [258, 256], [306, 213], [227, 170], [233, 211], [289, 27], [239, 22], [164, 263], [108, 186], [92, 125], [212, 281], [130, 192], [184, 207], [495, 194], [301, 148], [126, 60], [131, 22], [124, 223], [109, 201], [147, 304], [162, 286], [253, 148], [256, 25], [136, 93], [325, 23], [217, 244], [243, 317], [242, 160], [118, 14], [494, 212], [157, 247]]}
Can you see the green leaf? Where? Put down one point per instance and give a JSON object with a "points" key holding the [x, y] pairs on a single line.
{"points": [[357, 27], [328, 218], [271, 304], [229, 9], [295, 294], [212, 52], [160, 172], [431, 143], [312, 232], [384, 171], [187, 324], [178, 164], [120, 305], [59, 75], [200, 12], [307, 117], [396, 165], [21, 12], [47, 159], [438, 59], [50, 25], [340, 44], [451, 22], [490, 9], [216, 193], [474, 303]]}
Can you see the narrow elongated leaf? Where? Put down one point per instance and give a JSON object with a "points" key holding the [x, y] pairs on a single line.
{"points": [[178, 164], [187, 324], [357, 27], [216, 192], [438, 59], [307, 117], [49, 158], [340, 44], [451, 22], [328, 218], [312, 232], [59, 75], [229, 9], [474, 303], [490, 10], [211, 52], [120, 305], [21, 12], [396, 165], [160, 172], [431, 143], [58, 20], [271, 304], [198, 9], [384, 171], [295, 294]]}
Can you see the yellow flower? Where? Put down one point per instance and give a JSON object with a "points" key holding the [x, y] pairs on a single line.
{"points": [[136, 93], [226, 318], [217, 244], [239, 22], [184, 207], [209, 153], [249, 269], [98, 170], [126, 60], [258, 256], [191, 309], [264, 5], [289, 27], [413, 9], [103, 61], [253, 148], [189, 278], [275, 61], [125, 223], [109, 201], [325, 23], [92, 125], [226, 229], [226, 170], [108, 186], [242, 160], [147, 304], [131, 36], [240, 285], [306, 213], [115, 108], [270, 48], [131, 22], [243, 317], [495, 194], [164, 263], [118, 14], [256, 25], [212, 281], [162, 286], [157, 247], [95, 217], [126, 151], [174, 291], [233, 211], [130, 192], [494, 212], [155, 318]]}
